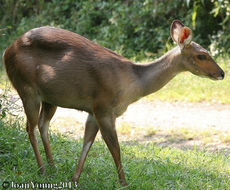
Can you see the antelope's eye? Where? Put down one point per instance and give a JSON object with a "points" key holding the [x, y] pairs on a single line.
{"points": [[201, 57]]}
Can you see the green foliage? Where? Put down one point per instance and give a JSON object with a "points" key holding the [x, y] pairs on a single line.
{"points": [[221, 39], [133, 28]]}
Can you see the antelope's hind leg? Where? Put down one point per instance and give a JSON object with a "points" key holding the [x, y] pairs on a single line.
{"points": [[46, 115], [31, 104], [91, 130]]}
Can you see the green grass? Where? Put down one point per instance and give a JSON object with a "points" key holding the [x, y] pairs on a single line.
{"points": [[146, 166]]}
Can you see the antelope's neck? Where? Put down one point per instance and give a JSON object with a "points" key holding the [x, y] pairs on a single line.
{"points": [[155, 75]]}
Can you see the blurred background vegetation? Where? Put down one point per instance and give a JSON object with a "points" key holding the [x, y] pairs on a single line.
{"points": [[136, 29]]}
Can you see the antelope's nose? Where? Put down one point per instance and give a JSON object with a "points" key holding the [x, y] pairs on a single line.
{"points": [[221, 77]]}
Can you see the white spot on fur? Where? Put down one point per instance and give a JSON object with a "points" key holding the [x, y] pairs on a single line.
{"points": [[67, 56], [48, 72]]}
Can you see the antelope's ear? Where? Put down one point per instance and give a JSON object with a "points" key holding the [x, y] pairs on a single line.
{"points": [[180, 34]]}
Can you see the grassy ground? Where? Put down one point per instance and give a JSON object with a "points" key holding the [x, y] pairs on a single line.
{"points": [[146, 166]]}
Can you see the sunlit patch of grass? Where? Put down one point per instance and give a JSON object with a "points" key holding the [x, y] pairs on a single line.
{"points": [[182, 134], [225, 138], [150, 131], [124, 128], [205, 136]]}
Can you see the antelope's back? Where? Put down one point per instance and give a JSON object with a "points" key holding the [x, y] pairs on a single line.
{"points": [[64, 67]]}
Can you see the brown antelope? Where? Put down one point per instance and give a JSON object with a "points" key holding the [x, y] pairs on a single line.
{"points": [[52, 67]]}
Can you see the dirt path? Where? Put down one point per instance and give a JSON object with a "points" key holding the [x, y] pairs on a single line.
{"points": [[187, 115], [166, 115], [182, 125], [177, 124]]}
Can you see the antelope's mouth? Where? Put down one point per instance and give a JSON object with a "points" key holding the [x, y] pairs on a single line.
{"points": [[220, 76]]}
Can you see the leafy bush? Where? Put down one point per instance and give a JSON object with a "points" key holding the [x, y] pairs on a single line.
{"points": [[133, 28], [221, 39]]}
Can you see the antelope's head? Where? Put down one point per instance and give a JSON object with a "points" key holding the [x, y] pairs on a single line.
{"points": [[195, 58]]}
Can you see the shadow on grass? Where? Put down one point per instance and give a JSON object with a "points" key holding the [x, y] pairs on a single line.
{"points": [[146, 166], [179, 141]]}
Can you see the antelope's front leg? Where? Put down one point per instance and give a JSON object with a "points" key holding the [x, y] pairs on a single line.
{"points": [[109, 134]]}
